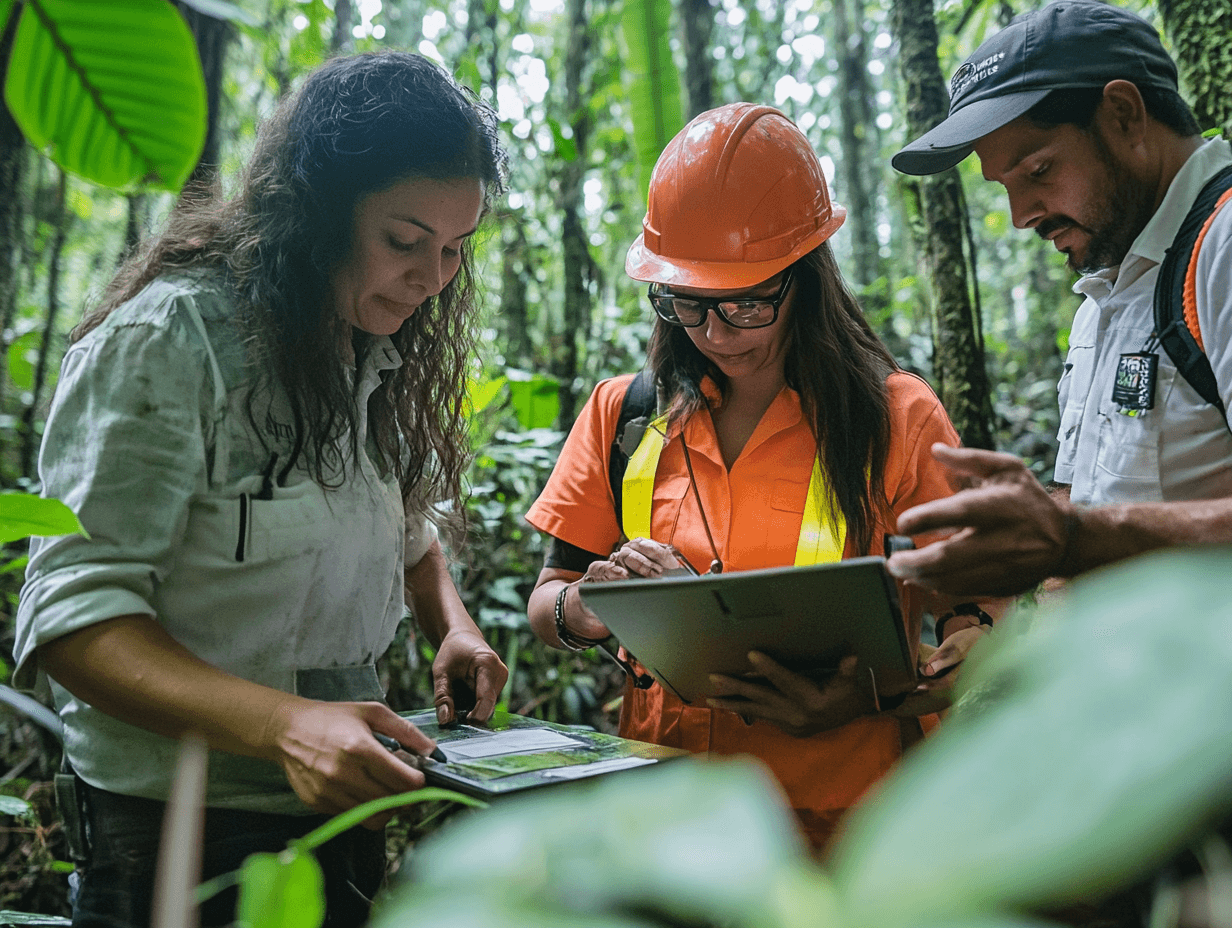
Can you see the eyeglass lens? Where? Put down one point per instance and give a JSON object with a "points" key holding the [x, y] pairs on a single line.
{"points": [[741, 314], [745, 314]]}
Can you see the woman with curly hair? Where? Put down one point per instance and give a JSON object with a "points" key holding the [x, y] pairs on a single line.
{"points": [[256, 427]]}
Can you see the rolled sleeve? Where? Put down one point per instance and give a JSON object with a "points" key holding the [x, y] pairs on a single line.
{"points": [[576, 504], [124, 447], [913, 476], [421, 533]]}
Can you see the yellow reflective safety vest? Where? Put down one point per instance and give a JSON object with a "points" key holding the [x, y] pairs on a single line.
{"points": [[822, 538]]}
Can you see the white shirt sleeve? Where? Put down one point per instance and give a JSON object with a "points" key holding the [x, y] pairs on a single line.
{"points": [[124, 448], [420, 534]]}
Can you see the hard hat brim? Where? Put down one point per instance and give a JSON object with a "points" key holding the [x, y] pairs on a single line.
{"points": [[643, 264]]}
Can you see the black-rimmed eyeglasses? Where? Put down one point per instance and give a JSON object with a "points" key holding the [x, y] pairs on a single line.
{"points": [[690, 311]]}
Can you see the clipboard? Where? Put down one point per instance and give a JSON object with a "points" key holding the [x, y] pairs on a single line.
{"points": [[683, 628], [511, 753]]}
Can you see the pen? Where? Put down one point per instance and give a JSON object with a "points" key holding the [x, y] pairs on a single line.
{"points": [[391, 745]]}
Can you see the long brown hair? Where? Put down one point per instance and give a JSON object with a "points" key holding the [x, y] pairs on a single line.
{"points": [[837, 365], [358, 125]]}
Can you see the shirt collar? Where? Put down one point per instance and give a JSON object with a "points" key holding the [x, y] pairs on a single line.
{"points": [[784, 412], [381, 356], [1200, 167]]}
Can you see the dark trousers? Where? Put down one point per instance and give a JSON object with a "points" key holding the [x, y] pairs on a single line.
{"points": [[117, 881]]}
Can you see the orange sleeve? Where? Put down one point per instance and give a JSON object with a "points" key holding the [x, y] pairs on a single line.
{"points": [[918, 421], [576, 504]]}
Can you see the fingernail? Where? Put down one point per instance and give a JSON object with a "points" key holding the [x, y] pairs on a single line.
{"points": [[442, 715]]}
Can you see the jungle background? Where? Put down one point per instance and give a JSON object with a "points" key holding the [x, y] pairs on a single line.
{"points": [[588, 92]]}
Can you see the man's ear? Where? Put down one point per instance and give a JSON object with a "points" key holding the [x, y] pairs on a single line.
{"points": [[1123, 112]]}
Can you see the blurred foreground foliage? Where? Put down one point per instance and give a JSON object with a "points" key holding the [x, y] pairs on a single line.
{"points": [[1091, 742]]}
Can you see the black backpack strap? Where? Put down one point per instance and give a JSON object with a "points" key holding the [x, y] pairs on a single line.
{"points": [[1170, 326], [636, 412]]}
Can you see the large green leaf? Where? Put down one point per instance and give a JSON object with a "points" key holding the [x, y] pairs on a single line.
{"points": [[283, 890], [22, 514], [653, 81], [480, 394], [685, 842], [1087, 749], [12, 805], [21, 366], [113, 91], [535, 399]]}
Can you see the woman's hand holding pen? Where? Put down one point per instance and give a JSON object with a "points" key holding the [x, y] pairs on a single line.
{"points": [[640, 557], [332, 759]]}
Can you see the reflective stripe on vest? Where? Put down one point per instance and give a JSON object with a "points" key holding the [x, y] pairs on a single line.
{"points": [[821, 539]]}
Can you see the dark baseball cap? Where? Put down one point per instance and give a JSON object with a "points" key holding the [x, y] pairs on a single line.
{"points": [[1069, 43]]}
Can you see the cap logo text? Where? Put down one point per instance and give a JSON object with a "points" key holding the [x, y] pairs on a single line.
{"points": [[970, 73]]}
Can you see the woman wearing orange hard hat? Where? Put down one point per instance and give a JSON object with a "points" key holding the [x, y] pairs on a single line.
{"points": [[784, 434]]}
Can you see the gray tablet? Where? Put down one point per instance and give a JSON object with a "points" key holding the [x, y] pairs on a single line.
{"points": [[683, 628]]}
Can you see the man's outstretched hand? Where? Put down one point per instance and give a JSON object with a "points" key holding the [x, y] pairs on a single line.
{"points": [[1008, 532]]}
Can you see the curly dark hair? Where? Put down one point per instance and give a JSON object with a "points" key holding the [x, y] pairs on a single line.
{"points": [[358, 125], [837, 365]]}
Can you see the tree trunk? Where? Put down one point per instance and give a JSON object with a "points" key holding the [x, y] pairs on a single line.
{"points": [[481, 24], [763, 30], [1201, 35], [134, 225], [344, 20], [212, 36], [514, 312], [576, 248], [30, 438], [857, 129], [12, 171], [697, 21], [958, 345]]}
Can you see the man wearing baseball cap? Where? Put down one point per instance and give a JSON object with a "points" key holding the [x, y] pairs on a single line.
{"points": [[1075, 110]]}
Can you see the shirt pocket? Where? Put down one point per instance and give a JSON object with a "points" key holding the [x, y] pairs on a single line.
{"points": [[249, 529], [667, 501], [1127, 456], [785, 515]]}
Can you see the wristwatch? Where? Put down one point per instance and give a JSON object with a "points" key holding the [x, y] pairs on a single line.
{"points": [[971, 609]]}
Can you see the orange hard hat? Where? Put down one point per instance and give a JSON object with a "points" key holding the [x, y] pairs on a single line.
{"points": [[737, 196]]}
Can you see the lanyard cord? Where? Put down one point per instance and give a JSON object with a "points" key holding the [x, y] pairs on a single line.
{"points": [[716, 566]]}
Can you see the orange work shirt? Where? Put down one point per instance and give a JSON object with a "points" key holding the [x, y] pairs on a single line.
{"points": [[754, 512]]}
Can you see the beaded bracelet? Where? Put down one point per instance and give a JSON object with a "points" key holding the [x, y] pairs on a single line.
{"points": [[970, 609], [567, 638]]}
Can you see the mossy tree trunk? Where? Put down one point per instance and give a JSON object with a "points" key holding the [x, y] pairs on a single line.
{"points": [[697, 24], [13, 155], [958, 343], [577, 261], [857, 135]]}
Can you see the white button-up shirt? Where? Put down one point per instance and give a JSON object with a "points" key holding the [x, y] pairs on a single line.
{"points": [[1181, 448], [153, 441]]}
